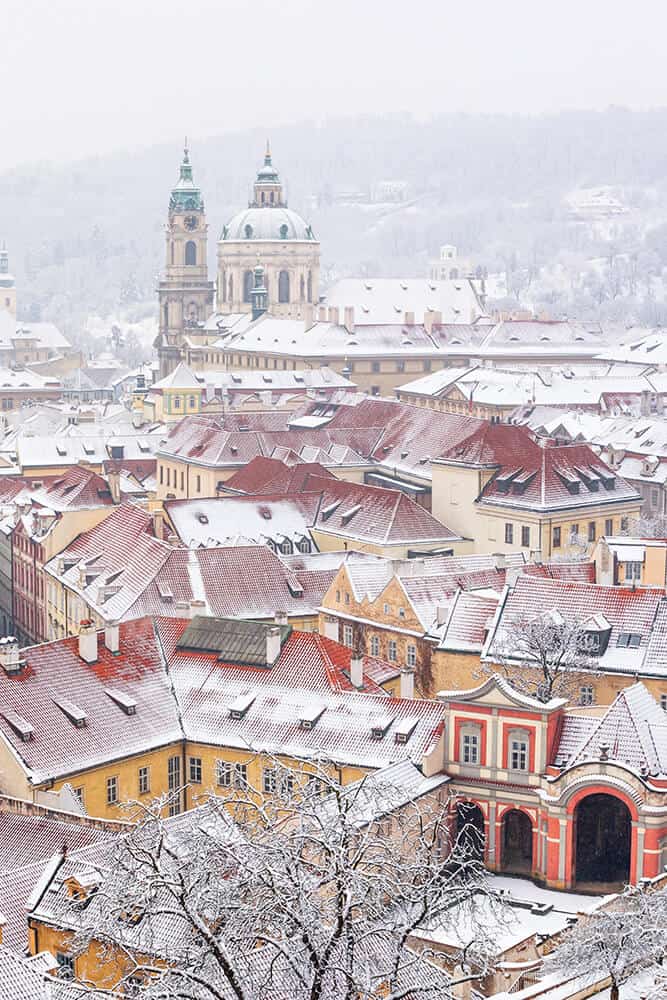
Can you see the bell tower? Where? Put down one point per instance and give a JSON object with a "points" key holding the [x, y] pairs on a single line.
{"points": [[185, 293]]}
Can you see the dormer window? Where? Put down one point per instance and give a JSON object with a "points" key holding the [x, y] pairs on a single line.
{"points": [[283, 231], [248, 232]]}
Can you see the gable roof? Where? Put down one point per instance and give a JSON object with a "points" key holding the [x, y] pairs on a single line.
{"points": [[632, 732], [499, 685], [270, 475]]}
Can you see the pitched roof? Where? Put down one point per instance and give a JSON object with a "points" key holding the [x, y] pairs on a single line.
{"points": [[26, 979], [629, 612], [633, 732], [373, 513], [187, 693], [270, 475], [245, 519]]}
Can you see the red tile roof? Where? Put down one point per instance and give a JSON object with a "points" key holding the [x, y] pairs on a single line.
{"points": [[181, 693], [270, 475]]}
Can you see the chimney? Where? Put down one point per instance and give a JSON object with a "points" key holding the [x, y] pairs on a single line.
{"points": [[407, 682], [322, 314], [441, 614], [499, 560], [87, 641], [272, 644], [9, 655], [349, 319], [113, 479], [308, 316], [409, 319], [357, 669], [537, 557], [280, 618], [112, 637], [334, 315], [3, 921]]}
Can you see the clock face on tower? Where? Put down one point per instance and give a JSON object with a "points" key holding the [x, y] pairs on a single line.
{"points": [[190, 222]]}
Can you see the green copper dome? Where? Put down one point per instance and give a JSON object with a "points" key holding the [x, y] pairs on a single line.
{"points": [[185, 196]]}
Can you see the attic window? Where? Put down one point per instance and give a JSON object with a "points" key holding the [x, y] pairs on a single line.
{"points": [[380, 726], [631, 640], [88, 448], [569, 480], [61, 449], [126, 703], [265, 512], [504, 481], [202, 518], [310, 715], [405, 729], [20, 725], [239, 708], [75, 714]]}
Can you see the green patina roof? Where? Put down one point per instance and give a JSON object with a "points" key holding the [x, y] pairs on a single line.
{"points": [[185, 195]]}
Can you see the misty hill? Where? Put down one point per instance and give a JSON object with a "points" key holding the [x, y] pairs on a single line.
{"points": [[87, 237]]}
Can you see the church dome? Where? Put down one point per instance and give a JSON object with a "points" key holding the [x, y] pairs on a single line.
{"points": [[268, 222]]}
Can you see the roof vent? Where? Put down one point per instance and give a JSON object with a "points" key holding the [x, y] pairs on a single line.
{"points": [[165, 592], [348, 514], [202, 518], [380, 726], [124, 701], [327, 511], [239, 708], [75, 714], [405, 729], [310, 715], [20, 726]]}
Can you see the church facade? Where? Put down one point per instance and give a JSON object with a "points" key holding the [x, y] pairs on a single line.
{"points": [[265, 247]]}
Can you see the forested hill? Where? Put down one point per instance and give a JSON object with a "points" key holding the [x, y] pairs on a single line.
{"points": [[87, 237]]}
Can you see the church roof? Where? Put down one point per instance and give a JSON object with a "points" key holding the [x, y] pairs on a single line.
{"points": [[267, 222]]}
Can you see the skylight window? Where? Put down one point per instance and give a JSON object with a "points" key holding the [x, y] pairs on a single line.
{"points": [[75, 714], [380, 727], [631, 640], [405, 729], [310, 715], [239, 708]]}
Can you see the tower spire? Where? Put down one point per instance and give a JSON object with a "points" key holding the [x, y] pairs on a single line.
{"points": [[267, 155], [186, 151]]}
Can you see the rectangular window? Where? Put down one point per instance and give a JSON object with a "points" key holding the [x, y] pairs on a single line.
{"points": [[375, 646], [375, 366], [624, 524], [392, 651], [591, 531], [65, 965], [574, 531], [144, 780], [400, 366], [348, 636], [174, 783], [182, 480], [609, 526], [509, 534], [81, 795], [161, 475], [519, 755], [525, 536], [198, 484], [470, 748], [411, 655], [112, 790], [228, 774], [556, 538], [427, 366], [586, 695], [633, 570], [269, 780], [194, 770]]}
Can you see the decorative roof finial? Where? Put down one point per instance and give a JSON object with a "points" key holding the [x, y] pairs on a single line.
{"points": [[267, 155], [186, 151]]}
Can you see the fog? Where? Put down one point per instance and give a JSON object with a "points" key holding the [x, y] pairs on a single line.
{"points": [[81, 77]]}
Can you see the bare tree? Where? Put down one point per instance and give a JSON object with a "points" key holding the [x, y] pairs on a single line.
{"points": [[312, 895], [648, 527], [544, 656], [617, 940]]}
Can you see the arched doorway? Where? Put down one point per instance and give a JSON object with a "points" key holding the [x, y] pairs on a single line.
{"points": [[602, 841], [517, 834], [470, 828]]}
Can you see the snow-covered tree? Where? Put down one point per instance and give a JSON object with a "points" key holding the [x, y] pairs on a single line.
{"points": [[648, 527], [616, 940], [312, 893], [544, 656]]}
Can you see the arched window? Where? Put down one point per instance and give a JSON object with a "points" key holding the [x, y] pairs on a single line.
{"points": [[172, 252], [166, 315], [283, 231], [302, 288], [248, 232], [231, 287], [283, 287], [193, 312], [272, 197], [190, 253], [247, 286], [310, 286], [263, 198], [223, 285]]}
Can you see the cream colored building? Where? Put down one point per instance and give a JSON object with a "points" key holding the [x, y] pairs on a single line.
{"points": [[269, 233], [7, 284]]}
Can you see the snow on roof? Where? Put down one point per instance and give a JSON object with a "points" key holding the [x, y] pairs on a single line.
{"points": [[629, 613], [201, 688], [223, 520], [386, 300]]}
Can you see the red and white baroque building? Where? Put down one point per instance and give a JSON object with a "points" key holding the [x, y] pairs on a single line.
{"points": [[572, 798]]}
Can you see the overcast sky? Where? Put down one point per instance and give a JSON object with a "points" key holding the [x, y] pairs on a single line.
{"points": [[85, 76]]}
